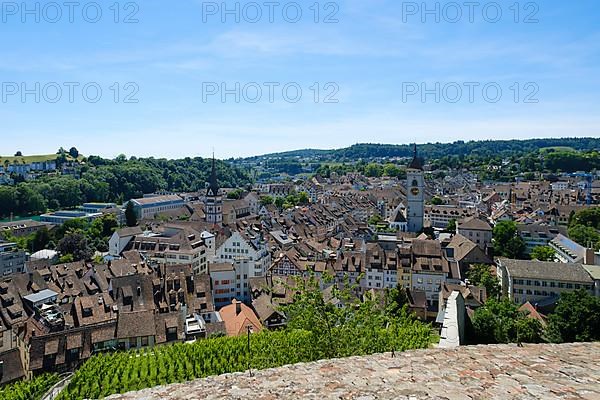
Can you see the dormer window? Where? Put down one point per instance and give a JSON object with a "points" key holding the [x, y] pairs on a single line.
{"points": [[86, 312]]}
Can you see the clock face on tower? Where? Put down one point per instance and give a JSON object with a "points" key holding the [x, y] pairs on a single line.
{"points": [[414, 191]]}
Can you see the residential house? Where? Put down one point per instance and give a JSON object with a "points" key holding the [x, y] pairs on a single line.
{"points": [[476, 230]]}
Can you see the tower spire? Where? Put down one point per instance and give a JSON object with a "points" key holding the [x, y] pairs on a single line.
{"points": [[213, 185], [416, 162]]}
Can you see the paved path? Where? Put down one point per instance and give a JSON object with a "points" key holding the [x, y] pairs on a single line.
{"points": [[565, 372]]}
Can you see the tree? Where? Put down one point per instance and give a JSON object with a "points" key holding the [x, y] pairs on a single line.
{"points": [[586, 236], [543, 253], [500, 321], [102, 228], [587, 217], [375, 219], [41, 239], [481, 275], [279, 202], [266, 200], [576, 318], [75, 243], [341, 324], [393, 171], [396, 301], [437, 201], [73, 152], [18, 154], [506, 240], [235, 194], [130, 215], [303, 198], [451, 227], [373, 170]]}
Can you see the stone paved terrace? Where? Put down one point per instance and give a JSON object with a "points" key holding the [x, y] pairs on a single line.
{"points": [[570, 371]]}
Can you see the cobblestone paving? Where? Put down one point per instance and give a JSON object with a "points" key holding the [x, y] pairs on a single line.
{"points": [[570, 371]]}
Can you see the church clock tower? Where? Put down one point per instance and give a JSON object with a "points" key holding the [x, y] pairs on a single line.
{"points": [[415, 195], [213, 205]]}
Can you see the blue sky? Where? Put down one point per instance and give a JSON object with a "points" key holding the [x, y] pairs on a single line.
{"points": [[375, 54]]}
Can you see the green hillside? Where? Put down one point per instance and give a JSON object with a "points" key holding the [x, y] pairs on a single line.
{"points": [[31, 159]]}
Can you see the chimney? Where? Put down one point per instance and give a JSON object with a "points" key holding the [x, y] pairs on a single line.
{"points": [[238, 307], [589, 257]]}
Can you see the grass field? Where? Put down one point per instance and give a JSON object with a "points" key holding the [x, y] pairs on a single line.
{"points": [[31, 159]]}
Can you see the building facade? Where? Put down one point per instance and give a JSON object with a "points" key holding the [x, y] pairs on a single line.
{"points": [[533, 281], [12, 260], [213, 205], [415, 195]]}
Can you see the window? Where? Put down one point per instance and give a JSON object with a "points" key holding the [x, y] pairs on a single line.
{"points": [[144, 340]]}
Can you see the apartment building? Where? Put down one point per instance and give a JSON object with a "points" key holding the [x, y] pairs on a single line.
{"points": [[23, 227], [534, 281], [147, 207], [171, 245], [12, 259], [246, 247], [476, 230], [535, 235]]}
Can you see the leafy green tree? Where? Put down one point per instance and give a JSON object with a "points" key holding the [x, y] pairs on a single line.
{"points": [[507, 242], [481, 275], [500, 321], [587, 217], [266, 200], [451, 227], [344, 327], [576, 318], [76, 244], [303, 198], [543, 253], [130, 215], [375, 219], [73, 152], [279, 202], [584, 227], [393, 171], [396, 301], [235, 194], [585, 235], [103, 227], [41, 239], [437, 201], [373, 170], [65, 259]]}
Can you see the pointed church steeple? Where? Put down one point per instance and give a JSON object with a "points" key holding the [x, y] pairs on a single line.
{"points": [[213, 185], [417, 162]]}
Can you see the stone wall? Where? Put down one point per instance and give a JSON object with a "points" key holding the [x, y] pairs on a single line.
{"points": [[570, 371]]}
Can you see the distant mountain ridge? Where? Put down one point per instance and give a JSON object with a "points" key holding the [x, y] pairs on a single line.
{"points": [[437, 150]]}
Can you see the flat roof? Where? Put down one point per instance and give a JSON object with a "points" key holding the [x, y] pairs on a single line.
{"points": [[41, 295]]}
